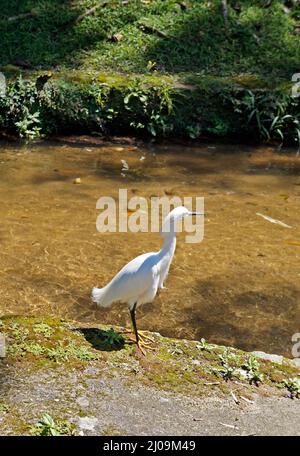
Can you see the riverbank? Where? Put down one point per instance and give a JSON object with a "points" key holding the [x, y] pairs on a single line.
{"points": [[151, 68], [240, 108], [93, 381]]}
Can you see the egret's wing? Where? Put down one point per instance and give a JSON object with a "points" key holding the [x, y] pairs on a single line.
{"points": [[133, 280]]}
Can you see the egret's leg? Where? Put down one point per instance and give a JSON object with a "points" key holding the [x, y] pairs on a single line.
{"points": [[138, 337], [133, 319]]}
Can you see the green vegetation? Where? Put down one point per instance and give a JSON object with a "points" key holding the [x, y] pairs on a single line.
{"points": [[252, 367], [47, 426], [293, 386], [204, 345], [214, 106], [156, 35], [47, 340], [157, 67], [175, 365], [78, 357], [104, 340], [3, 408]]}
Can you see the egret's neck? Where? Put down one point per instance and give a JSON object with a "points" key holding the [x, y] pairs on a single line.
{"points": [[169, 244]]}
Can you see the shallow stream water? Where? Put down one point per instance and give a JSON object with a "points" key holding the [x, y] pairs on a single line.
{"points": [[240, 286]]}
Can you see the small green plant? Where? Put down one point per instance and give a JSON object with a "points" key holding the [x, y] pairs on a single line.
{"points": [[203, 345], [28, 126], [47, 426], [149, 108], [112, 338], [34, 348], [293, 386], [3, 408], [64, 352], [19, 333], [20, 349], [227, 369], [44, 329], [273, 114], [193, 131], [252, 367], [251, 364], [151, 65]]}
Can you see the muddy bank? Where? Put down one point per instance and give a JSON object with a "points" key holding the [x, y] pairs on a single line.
{"points": [[96, 382]]}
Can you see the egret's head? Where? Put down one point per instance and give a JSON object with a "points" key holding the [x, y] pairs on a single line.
{"points": [[175, 216]]}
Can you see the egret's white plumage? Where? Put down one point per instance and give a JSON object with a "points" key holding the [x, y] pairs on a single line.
{"points": [[138, 281]]}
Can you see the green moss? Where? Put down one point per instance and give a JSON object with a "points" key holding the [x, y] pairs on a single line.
{"points": [[46, 338], [175, 365], [15, 423], [4, 408], [112, 430]]}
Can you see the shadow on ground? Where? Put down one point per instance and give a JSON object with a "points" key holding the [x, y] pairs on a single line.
{"points": [[104, 340]]}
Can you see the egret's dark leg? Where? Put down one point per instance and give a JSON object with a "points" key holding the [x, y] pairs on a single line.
{"points": [[139, 338], [133, 319]]}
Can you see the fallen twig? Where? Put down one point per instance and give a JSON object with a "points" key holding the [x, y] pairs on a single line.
{"points": [[231, 426], [90, 11], [21, 16], [247, 400], [234, 398], [151, 29]]}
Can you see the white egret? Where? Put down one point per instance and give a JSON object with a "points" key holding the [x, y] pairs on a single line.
{"points": [[138, 281]]}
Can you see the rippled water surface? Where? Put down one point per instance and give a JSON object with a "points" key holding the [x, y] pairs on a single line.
{"points": [[240, 286]]}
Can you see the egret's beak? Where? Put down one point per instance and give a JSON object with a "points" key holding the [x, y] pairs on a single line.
{"points": [[197, 213]]}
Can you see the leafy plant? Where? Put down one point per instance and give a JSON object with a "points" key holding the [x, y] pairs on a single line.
{"points": [[47, 426], [252, 368], [19, 333], [203, 345], [193, 131], [271, 113], [28, 126], [227, 369], [44, 329], [3, 408], [64, 352], [149, 107], [112, 338], [293, 386]]}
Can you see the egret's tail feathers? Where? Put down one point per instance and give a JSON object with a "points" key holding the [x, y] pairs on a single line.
{"points": [[98, 296]]}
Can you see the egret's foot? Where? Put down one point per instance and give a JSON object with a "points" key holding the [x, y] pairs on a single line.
{"points": [[143, 346], [142, 336]]}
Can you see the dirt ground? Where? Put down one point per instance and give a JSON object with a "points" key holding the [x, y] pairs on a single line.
{"points": [[109, 406]]}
